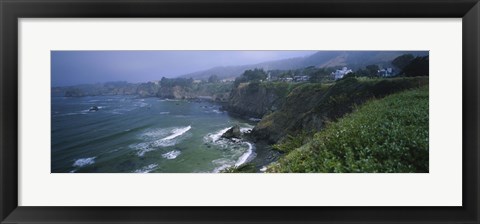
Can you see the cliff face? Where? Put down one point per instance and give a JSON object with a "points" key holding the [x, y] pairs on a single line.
{"points": [[309, 106], [148, 89], [257, 99], [207, 91]]}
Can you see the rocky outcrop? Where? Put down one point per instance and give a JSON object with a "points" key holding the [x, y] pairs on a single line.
{"points": [[257, 99], [212, 92], [233, 132], [175, 92], [148, 89]]}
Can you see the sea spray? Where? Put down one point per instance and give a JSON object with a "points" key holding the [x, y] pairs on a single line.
{"points": [[84, 162]]}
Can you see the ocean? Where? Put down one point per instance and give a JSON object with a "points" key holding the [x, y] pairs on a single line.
{"points": [[128, 134]]}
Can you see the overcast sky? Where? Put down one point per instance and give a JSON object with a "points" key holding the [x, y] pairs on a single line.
{"points": [[80, 67]]}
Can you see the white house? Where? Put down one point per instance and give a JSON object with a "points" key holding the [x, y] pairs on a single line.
{"points": [[385, 72], [302, 78], [341, 72]]}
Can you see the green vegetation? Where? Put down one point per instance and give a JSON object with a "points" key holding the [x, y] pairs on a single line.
{"points": [[244, 168], [402, 61], [417, 67], [213, 78], [254, 75], [291, 142], [182, 82], [369, 71], [383, 135], [310, 105], [181, 88]]}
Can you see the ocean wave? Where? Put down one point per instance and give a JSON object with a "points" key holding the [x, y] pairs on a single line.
{"points": [[245, 157], [164, 112], [121, 110], [214, 137], [221, 164], [71, 113], [224, 163], [255, 119], [220, 168], [147, 169], [168, 137], [171, 155], [177, 132], [84, 162]]}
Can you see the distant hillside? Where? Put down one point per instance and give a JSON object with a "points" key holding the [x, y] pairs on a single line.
{"points": [[351, 59]]}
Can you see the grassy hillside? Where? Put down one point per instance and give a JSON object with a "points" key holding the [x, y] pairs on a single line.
{"points": [[383, 135], [309, 106]]}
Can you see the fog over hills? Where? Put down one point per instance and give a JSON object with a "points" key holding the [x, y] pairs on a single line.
{"points": [[351, 59]]}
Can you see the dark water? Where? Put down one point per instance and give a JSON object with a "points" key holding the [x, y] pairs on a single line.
{"points": [[129, 134]]}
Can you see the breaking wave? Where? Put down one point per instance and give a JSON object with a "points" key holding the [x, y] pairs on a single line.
{"points": [[246, 156], [213, 137], [84, 162], [239, 156], [168, 137], [177, 132], [171, 155], [146, 169]]}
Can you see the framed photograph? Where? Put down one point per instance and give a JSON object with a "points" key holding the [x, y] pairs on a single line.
{"points": [[239, 111]]}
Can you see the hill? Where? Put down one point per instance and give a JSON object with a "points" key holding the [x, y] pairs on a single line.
{"points": [[321, 59]]}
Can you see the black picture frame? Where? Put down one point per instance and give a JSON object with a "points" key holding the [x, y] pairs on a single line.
{"points": [[12, 10]]}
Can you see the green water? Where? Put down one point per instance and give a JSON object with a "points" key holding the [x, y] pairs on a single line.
{"points": [[129, 134]]}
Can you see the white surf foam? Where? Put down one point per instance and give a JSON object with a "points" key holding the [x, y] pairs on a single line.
{"points": [[164, 112], [244, 158], [84, 162], [143, 148], [220, 168], [168, 137], [142, 104], [177, 132], [213, 137], [147, 169], [221, 164], [171, 155], [245, 130]]}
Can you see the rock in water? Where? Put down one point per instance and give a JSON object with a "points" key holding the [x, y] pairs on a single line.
{"points": [[233, 132], [94, 108]]}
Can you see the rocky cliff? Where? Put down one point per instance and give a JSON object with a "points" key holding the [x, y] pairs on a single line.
{"points": [[205, 91], [257, 99], [308, 107]]}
